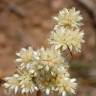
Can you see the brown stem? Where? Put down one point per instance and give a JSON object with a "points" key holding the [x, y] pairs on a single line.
{"points": [[38, 93], [2, 81], [70, 51]]}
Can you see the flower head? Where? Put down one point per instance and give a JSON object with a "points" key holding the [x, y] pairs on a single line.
{"points": [[53, 64], [65, 84], [46, 81], [50, 57], [64, 38], [22, 81], [69, 18], [26, 57], [27, 81], [12, 83]]}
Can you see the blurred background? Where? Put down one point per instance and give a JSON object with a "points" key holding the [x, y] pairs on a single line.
{"points": [[26, 23]]}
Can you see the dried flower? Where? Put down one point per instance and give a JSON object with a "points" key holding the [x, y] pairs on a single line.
{"points": [[64, 38], [69, 18]]}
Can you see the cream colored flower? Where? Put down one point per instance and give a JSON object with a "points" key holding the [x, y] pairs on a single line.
{"points": [[50, 57], [65, 84], [21, 81], [26, 82], [53, 65], [12, 83], [25, 55], [67, 38], [46, 80], [69, 18], [61, 69]]}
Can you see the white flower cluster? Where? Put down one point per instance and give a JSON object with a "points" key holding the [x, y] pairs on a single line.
{"points": [[46, 69], [67, 32], [69, 18], [63, 38]]}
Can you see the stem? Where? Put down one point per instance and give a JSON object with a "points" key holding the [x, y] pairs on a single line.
{"points": [[2, 81], [38, 93], [70, 51]]}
